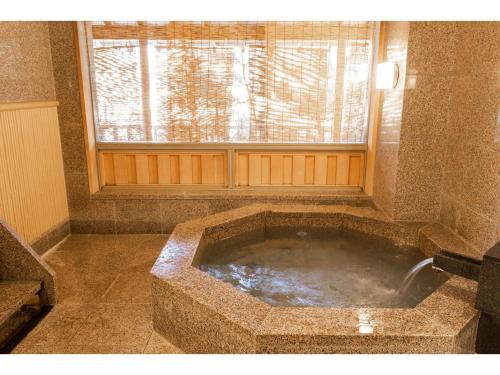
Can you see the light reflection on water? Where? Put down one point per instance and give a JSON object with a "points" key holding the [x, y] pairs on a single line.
{"points": [[341, 271]]}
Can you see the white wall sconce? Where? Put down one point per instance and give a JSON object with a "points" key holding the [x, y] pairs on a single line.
{"points": [[387, 75]]}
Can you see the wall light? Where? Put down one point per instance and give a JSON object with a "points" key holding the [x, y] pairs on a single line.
{"points": [[387, 75]]}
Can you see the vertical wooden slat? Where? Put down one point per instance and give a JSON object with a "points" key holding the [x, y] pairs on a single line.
{"points": [[121, 170], [354, 170], [287, 170], [163, 169], [265, 169], [342, 169], [320, 169], [153, 169], [254, 170], [242, 169], [309, 170], [109, 169], [174, 169], [362, 169], [331, 174], [141, 164], [131, 170], [32, 186], [276, 169], [186, 169], [298, 169], [207, 169], [196, 169], [220, 169]]}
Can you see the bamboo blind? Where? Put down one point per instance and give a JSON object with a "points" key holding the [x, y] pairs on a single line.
{"points": [[231, 82]]}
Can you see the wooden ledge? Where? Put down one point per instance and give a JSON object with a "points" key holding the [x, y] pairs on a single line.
{"points": [[27, 105]]}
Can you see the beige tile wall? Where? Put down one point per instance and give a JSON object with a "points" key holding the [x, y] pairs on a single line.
{"points": [[444, 159], [470, 195], [390, 118], [25, 62], [431, 46]]}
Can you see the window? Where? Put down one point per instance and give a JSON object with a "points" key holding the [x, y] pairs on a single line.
{"points": [[231, 82]]}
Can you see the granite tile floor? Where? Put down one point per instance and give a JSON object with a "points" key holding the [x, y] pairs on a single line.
{"points": [[104, 298]]}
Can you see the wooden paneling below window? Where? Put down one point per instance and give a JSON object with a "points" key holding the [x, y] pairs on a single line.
{"points": [[248, 169], [339, 168], [163, 168]]}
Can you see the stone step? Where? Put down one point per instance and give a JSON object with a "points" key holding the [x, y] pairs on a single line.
{"points": [[14, 295]]}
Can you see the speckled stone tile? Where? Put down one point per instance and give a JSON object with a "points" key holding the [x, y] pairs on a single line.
{"points": [[136, 211], [94, 209], [311, 330], [14, 294], [473, 164], [95, 267], [431, 47], [93, 226], [479, 49], [213, 319], [158, 345], [79, 349], [175, 212], [26, 69], [435, 237], [115, 324], [57, 328], [390, 117], [421, 151], [131, 287], [20, 262], [452, 305], [105, 304], [194, 327], [52, 237]]}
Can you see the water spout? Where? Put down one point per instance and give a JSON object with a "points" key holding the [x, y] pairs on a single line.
{"points": [[410, 276]]}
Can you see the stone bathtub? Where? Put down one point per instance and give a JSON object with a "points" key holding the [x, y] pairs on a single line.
{"points": [[202, 314]]}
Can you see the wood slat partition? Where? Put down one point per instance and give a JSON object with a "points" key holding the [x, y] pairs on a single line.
{"points": [[32, 186], [163, 168], [336, 168]]}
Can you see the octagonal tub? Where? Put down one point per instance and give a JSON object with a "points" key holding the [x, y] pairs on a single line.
{"points": [[306, 279]]}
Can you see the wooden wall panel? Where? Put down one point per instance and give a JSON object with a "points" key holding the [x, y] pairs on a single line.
{"points": [[300, 168], [32, 186], [163, 168]]}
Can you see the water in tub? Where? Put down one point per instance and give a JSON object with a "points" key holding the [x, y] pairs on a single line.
{"points": [[341, 270]]}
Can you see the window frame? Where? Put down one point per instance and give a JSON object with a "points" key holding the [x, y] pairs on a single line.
{"points": [[95, 148]]}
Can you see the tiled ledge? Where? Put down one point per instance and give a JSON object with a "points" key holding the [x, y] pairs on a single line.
{"points": [[51, 238], [158, 211], [272, 194], [435, 237]]}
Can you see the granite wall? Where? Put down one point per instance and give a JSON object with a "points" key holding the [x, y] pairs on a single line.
{"points": [[26, 66], [470, 193], [443, 164], [408, 178], [395, 45], [426, 110]]}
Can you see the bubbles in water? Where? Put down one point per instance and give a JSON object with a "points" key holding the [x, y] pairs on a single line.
{"points": [[341, 271]]}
